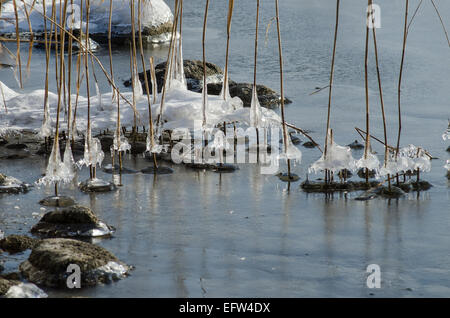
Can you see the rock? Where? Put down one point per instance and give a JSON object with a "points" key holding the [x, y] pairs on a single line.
{"points": [[49, 260], [266, 96], [321, 187], [57, 201], [421, 185], [448, 174], [75, 221], [96, 185], [193, 71], [159, 170], [392, 193], [200, 166], [362, 173], [17, 243], [225, 168], [6, 284], [12, 185], [25, 290], [448, 149], [285, 177], [16, 146], [106, 142], [309, 144], [356, 145], [2, 234], [109, 169], [138, 148]]}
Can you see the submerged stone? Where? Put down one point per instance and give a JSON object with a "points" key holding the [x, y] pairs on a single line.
{"points": [[286, 178], [356, 145], [225, 168], [421, 185], [200, 166], [75, 221], [309, 144], [362, 173], [96, 185], [57, 201], [17, 243], [16, 146], [158, 170], [392, 193], [448, 174], [117, 170], [322, 187], [12, 185], [448, 149], [48, 262]]}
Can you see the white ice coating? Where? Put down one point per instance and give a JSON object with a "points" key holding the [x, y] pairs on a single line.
{"points": [[137, 87], [120, 143], [220, 143], [256, 118], [446, 135], [337, 159], [98, 97], [409, 158], [57, 171], [112, 270], [292, 152], [25, 290], [153, 14], [447, 165], [371, 162], [93, 153]]}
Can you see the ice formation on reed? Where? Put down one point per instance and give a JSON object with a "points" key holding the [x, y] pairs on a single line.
{"points": [[57, 171], [93, 153], [336, 159]]}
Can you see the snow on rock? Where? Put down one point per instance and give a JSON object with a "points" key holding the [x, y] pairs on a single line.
{"points": [[154, 13], [25, 290]]}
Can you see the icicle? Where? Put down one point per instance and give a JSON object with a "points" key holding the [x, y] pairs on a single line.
{"points": [[138, 92], [256, 118], [446, 135], [99, 97], [205, 104], [46, 128], [120, 143], [56, 170], [179, 72], [292, 153], [371, 162], [93, 153]]}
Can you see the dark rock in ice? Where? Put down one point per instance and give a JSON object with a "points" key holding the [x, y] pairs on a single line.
{"points": [[193, 71], [75, 221], [138, 148], [57, 201], [12, 185], [158, 170], [309, 144], [3, 141], [356, 145], [225, 168], [17, 243], [322, 187], [392, 193], [406, 187], [448, 174], [96, 185], [49, 259], [267, 97], [16, 146], [362, 173], [448, 149], [286, 178], [421, 185], [200, 166], [106, 142], [116, 170], [6, 284]]}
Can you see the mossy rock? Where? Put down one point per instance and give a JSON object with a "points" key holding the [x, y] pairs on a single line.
{"points": [[392, 193], [96, 185], [6, 284], [57, 201], [49, 260], [17, 243]]}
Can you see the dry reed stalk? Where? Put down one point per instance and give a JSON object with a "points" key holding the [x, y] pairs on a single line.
{"points": [[205, 86], [229, 18], [18, 42], [280, 50], [147, 88], [330, 86]]}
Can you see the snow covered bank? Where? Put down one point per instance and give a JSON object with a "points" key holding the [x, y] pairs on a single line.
{"points": [[155, 14]]}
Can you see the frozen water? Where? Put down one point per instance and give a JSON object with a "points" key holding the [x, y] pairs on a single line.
{"points": [[57, 171], [256, 118], [120, 143], [292, 152], [371, 162], [93, 153], [25, 290]]}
